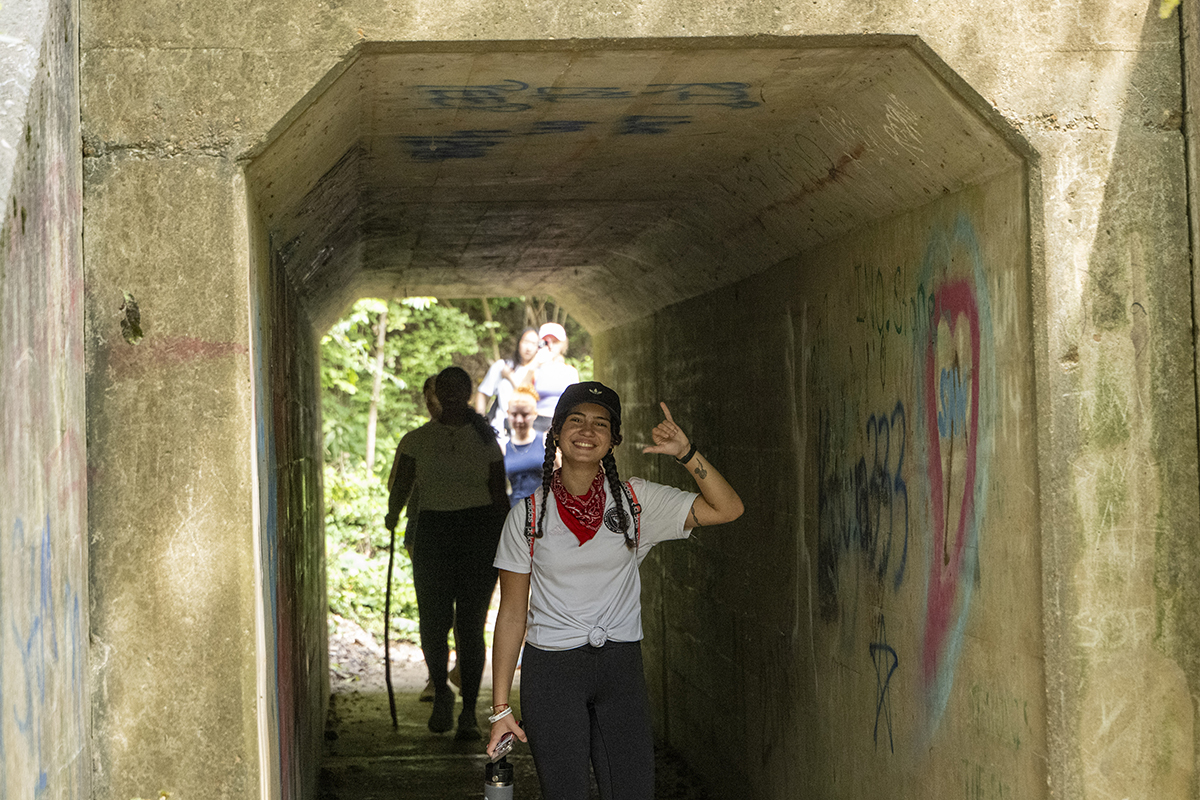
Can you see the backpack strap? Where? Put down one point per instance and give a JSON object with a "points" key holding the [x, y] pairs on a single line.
{"points": [[530, 523], [636, 508]]}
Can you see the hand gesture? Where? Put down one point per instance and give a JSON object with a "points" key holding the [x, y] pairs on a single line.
{"points": [[542, 357], [668, 438]]}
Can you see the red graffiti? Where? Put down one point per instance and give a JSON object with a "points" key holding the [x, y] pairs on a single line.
{"points": [[951, 302], [68, 464], [127, 359]]}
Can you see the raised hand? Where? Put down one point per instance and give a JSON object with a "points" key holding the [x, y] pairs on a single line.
{"points": [[668, 438]]}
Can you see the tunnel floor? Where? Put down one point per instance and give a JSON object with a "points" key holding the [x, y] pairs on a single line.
{"points": [[365, 759]]}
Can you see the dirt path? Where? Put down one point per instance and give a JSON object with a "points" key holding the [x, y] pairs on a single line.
{"points": [[365, 758]]}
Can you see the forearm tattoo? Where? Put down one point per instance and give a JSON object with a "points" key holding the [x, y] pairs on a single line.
{"points": [[700, 471]]}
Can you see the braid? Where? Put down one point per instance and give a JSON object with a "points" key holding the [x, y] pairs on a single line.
{"points": [[614, 485], [547, 476], [486, 432]]}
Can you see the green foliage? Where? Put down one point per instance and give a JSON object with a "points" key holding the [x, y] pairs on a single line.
{"points": [[356, 553], [424, 336], [585, 367]]}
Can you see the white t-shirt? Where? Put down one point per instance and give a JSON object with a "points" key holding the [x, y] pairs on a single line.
{"points": [[589, 592], [496, 385], [551, 380], [453, 466]]}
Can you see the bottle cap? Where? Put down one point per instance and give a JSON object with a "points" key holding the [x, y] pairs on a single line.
{"points": [[499, 773]]}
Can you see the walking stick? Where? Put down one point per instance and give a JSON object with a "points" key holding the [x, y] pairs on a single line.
{"points": [[387, 638]]}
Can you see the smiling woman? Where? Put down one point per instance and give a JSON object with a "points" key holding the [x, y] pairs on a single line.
{"points": [[570, 588]]}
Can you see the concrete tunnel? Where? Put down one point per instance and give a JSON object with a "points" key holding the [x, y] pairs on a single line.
{"points": [[918, 277], [813, 249]]}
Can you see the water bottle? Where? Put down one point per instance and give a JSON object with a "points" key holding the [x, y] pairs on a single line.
{"points": [[498, 780]]}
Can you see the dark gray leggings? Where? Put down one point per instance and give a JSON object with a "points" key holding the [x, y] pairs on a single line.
{"points": [[589, 703], [454, 579]]}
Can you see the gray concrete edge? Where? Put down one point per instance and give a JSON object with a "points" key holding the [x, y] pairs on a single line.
{"points": [[1189, 46], [22, 51]]}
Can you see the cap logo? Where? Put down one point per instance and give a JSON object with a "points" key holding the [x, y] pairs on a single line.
{"points": [[595, 391]]}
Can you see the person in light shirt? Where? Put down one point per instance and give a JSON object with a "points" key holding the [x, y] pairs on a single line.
{"points": [[551, 374], [454, 466], [503, 377], [569, 588]]}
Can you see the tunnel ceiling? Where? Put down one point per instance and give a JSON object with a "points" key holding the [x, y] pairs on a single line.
{"points": [[619, 178]]}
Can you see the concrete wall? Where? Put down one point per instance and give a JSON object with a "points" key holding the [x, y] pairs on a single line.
{"points": [[294, 657], [171, 454], [43, 481], [873, 625], [173, 95]]}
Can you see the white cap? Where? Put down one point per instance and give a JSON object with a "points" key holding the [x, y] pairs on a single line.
{"points": [[554, 330]]}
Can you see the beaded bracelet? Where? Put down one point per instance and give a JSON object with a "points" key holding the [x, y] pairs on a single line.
{"points": [[494, 718]]}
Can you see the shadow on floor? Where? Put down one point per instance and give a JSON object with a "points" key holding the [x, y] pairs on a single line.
{"points": [[365, 759]]}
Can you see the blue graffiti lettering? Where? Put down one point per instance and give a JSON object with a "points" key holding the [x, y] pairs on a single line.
{"points": [[646, 124], [559, 94], [511, 96], [32, 626], [460, 144], [32, 643], [477, 98], [881, 653], [887, 493], [558, 126], [862, 508], [730, 95]]}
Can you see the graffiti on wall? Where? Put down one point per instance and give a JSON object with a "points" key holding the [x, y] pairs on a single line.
{"points": [[37, 616], [268, 538], [909, 475], [511, 96], [956, 374], [515, 97], [44, 702], [862, 503], [886, 660]]}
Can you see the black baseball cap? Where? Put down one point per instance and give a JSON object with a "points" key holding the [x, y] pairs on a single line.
{"points": [[589, 392]]}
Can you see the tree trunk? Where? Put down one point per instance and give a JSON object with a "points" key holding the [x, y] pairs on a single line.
{"points": [[376, 388], [487, 317]]}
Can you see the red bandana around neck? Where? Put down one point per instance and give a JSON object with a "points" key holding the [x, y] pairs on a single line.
{"points": [[582, 515]]}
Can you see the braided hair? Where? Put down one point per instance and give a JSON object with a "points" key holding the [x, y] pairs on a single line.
{"points": [[547, 476], [618, 518]]}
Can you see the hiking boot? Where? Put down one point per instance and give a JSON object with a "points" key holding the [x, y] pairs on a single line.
{"points": [[442, 718], [468, 727]]}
